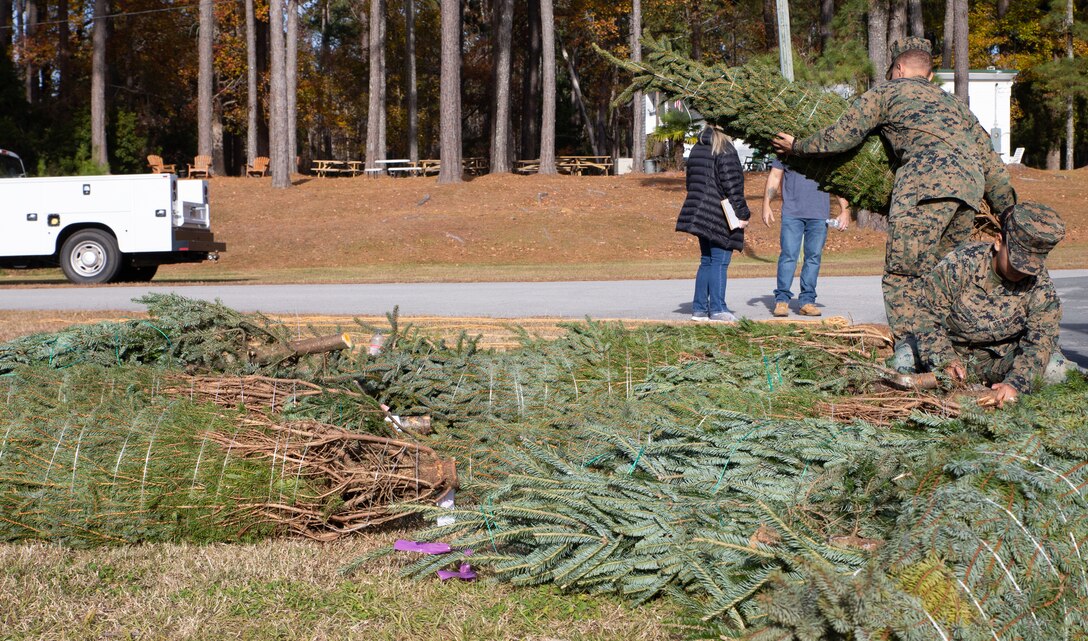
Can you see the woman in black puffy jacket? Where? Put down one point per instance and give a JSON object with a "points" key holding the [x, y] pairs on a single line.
{"points": [[713, 174]]}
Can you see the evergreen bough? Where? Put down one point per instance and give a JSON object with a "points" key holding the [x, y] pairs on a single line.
{"points": [[755, 102]]}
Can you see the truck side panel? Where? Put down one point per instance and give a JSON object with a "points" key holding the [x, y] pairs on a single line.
{"points": [[138, 210]]}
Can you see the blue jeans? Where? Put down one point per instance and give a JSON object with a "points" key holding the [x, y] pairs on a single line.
{"points": [[710, 279], [814, 231]]}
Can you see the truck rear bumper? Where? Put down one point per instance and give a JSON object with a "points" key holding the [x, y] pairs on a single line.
{"points": [[197, 240]]}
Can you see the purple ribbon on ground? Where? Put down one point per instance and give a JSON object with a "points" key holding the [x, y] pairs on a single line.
{"points": [[465, 573], [426, 548]]}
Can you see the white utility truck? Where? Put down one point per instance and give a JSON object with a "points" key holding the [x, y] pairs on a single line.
{"points": [[102, 228]]}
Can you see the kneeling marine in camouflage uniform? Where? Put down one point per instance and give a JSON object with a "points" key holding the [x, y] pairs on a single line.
{"points": [[991, 311]]}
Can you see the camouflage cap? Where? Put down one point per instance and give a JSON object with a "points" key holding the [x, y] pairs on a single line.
{"points": [[899, 47], [1031, 231]]}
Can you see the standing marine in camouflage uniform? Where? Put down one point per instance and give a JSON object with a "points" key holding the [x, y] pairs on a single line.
{"points": [[990, 311], [946, 165]]}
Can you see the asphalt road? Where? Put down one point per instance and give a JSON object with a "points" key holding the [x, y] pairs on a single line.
{"points": [[857, 298]]}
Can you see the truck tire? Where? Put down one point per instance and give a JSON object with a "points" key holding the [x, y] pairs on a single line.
{"points": [[90, 256], [130, 273]]}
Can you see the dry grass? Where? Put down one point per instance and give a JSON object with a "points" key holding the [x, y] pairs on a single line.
{"points": [[284, 589], [514, 227]]}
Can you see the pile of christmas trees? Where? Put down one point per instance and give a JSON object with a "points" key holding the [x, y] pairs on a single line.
{"points": [[705, 464]]}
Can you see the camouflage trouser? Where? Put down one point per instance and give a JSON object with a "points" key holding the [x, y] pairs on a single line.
{"points": [[992, 364], [919, 236], [987, 365]]}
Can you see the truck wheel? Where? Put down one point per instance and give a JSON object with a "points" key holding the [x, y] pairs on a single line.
{"points": [[135, 274], [90, 256]]}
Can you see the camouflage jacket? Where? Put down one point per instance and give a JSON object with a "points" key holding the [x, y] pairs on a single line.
{"points": [[941, 149], [967, 303]]}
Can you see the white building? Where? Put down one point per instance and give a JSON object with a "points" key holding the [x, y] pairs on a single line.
{"points": [[990, 95]]}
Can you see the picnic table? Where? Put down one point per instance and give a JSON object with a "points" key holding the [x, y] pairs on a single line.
{"points": [[326, 168], [574, 165], [475, 165], [577, 165], [398, 166]]}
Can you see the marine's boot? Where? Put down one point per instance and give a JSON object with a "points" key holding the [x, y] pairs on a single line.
{"points": [[905, 358]]}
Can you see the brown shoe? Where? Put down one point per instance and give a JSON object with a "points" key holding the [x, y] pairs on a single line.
{"points": [[781, 309], [809, 309]]}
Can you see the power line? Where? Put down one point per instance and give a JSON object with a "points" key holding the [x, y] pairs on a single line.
{"points": [[128, 13]]}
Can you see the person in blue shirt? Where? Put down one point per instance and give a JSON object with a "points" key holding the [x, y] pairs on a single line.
{"points": [[805, 214]]}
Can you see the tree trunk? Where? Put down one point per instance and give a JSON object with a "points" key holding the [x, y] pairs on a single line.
{"points": [[949, 33], [205, 78], [1002, 9], [917, 19], [99, 153], [64, 54], [251, 83], [576, 87], [878, 39], [1054, 154], [897, 21], [547, 71], [770, 23], [291, 60], [827, 16], [638, 101], [500, 125], [530, 86], [450, 94], [375, 122], [962, 63], [6, 26], [695, 19], [30, 79], [279, 162], [410, 74], [1070, 129]]}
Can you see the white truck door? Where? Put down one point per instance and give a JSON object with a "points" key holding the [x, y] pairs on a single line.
{"points": [[23, 226]]}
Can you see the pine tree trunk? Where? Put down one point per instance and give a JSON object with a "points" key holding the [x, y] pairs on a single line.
{"points": [[1054, 154], [827, 16], [279, 163], [291, 60], [64, 53], [917, 19], [30, 71], [500, 126], [897, 21], [1002, 8], [99, 153], [375, 151], [638, 101], [878, 39], [251, 83], [6, 26], [547, 70], [410, 75], [1070, 123], [579, 99], [530, 86], [205, 78], [949, 34], [450, 94], [962, 67], [695, 19], [770, 24]]}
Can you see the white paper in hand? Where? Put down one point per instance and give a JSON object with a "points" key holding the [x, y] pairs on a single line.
{"points": [[730, 215]]}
